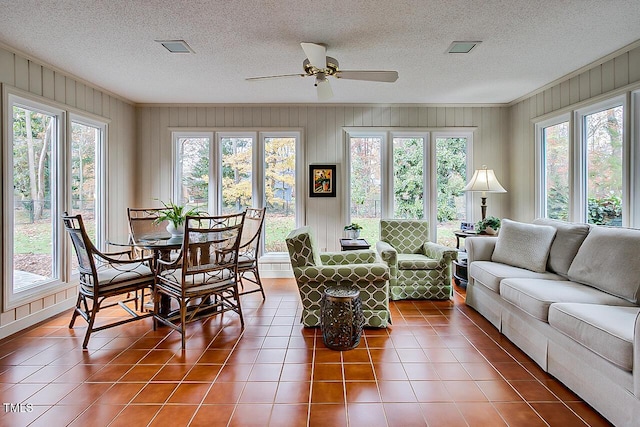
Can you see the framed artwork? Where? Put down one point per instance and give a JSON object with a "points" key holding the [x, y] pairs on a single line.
{"points": [[466, 226], [322, 179]]}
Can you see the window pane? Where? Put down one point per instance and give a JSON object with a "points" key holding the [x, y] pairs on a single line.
{"points": [[280, 191], [194, 165], [34, 134], [451, 165], [365, 186], [84, 151], [408, 182], [236, 174], [555, 143], [603, 131], [84, 144]]}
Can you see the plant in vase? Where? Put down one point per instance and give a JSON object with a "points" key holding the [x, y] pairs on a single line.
{"points": [[489, 225], [176, 216], [353, 230]]}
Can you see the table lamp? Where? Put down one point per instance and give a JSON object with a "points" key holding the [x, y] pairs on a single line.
{"points": [[484, 180]]}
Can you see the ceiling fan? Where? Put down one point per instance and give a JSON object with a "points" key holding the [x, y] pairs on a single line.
{"points": [[319, 65]]}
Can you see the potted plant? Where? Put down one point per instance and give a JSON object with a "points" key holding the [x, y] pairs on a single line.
{"points": [[353, 230], [176, 216], [489, 225]]}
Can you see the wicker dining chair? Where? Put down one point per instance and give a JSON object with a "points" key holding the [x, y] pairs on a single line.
{"points": [[203, 279], [249, 248], [104, 276], [142, 222]]}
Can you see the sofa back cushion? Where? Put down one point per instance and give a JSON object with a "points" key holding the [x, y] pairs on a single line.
{"points": [[523, 245], [608, 260], [569, 237]]}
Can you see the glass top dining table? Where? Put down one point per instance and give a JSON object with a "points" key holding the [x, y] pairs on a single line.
{"points": [[158, 241]]}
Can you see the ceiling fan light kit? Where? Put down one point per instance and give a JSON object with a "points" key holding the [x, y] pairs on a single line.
{"points": [[319, 65]]}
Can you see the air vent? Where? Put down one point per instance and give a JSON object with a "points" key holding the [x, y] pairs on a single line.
{"points": [[462, 47], [176, 46]]}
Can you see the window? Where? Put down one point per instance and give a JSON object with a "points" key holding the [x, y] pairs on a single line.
{"points": [[192, 184], [416, 175], [451, 178], [365, 174], [33, 201], [602, 148], [253, 169], [46, 163], [582, 174], [555, 155], [87, 177]]}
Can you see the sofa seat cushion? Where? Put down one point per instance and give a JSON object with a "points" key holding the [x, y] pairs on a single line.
{"points": [[490, 273], [524, 245], [604, 329], [569, 237], [534, 296], [416, 262], [607, 260]]}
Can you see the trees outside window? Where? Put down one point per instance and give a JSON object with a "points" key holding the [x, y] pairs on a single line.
{"points": [[602, 136], [581, 174], [555, 160], [49, 167], [34, 137], [396, 179], [241, 170]]}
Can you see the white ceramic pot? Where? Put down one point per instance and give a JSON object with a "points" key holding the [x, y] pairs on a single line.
{"points": [[491, 231], [171, 229], [354, 234]]}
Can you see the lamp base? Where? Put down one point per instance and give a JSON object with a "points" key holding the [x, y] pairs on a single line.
{"points": [[483, 207]]}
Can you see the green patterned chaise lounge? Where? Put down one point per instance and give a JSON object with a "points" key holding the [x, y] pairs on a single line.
{"points": [[315, 271], [419, 269]]}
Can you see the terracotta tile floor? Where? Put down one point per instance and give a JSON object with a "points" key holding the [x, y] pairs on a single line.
{"points": [[440, 364]]}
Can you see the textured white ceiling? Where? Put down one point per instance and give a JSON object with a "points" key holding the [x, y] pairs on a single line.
{"points": [[525, 45]]}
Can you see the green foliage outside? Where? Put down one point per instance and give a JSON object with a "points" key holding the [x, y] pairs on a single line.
{"points": [[606, 211], [408, 179]]}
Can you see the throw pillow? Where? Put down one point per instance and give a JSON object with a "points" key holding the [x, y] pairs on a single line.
{"points": [[524, 245], [569, 237], [608, 260]]}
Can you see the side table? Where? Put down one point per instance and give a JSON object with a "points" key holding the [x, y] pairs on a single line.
{"points": [[354, 244], [460, 272], [341, 318]]}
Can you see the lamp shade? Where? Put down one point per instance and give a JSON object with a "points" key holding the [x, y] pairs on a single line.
{"points": [[484, 180]]}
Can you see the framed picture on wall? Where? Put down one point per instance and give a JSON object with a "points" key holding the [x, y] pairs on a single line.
{"points": [[322, 179]]}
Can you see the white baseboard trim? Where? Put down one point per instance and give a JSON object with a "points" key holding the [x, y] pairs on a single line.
{"points": [[39, 316], [276, 274]]}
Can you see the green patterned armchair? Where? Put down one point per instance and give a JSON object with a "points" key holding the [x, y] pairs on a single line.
{"points": [[419, 269], [315, 271]]}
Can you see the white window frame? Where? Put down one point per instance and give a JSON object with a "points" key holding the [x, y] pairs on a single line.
{"points": [[429, 161], [434, 190], [11, 299], [540, 163], [258, 188], [101, 172], [176, 190], [578, 157], [634, 156], [579, 178]]}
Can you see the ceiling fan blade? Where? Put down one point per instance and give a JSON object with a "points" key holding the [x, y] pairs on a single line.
{"points": [[372, 76], [276, 76], [316, 54], [324, 90]]}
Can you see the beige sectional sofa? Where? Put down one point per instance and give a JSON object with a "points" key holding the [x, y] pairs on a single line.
{"points": [[567, 295]]}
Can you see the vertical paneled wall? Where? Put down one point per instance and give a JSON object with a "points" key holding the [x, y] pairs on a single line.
{"points": [[323, 138], [597, 81], [25, 74]]}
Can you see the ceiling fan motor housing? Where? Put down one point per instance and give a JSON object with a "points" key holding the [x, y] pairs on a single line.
{"points": [[330, 70]]}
